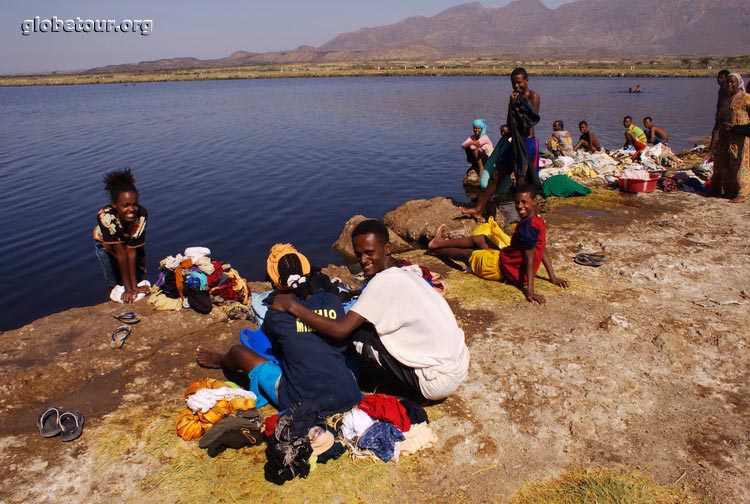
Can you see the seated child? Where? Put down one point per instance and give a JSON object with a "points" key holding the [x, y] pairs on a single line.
{"points": [[588, 141], [560, 143], [311, 367], [517, 263], [478, 147]]}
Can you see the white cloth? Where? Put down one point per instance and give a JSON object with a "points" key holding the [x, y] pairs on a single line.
{"points": [[417, 327], [196, 253], [354, 423], [171, 262], [118, 290], [204, 264], [206, 398], [420, 436]]}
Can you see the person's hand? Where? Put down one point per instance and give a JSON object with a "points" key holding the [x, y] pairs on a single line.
{"points": [[536, 298], [281, 302], [560, 282], [129, 296], [728, 126], [143, 289]]}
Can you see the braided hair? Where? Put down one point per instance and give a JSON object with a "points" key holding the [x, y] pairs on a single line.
{"points": [[290, 266], [120, 181]]}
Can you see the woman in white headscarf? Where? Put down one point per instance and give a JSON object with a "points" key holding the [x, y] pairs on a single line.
{"points": [[731, 177]]}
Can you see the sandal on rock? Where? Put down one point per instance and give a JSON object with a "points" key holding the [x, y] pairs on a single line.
{"points": [[594, 260], [71, 423], [119, 336], [48, 422], [127, 317]]}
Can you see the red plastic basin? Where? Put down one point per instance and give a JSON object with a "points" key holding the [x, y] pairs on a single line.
{"points": [[638, 185]]}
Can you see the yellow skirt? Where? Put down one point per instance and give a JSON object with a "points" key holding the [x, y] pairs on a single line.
{"points": [[486, 264]]}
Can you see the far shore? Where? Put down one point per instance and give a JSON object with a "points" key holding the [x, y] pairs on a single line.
{"points": [[644, 68]]}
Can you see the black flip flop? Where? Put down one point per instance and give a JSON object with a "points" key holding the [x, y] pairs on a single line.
{"points": [[594, 260], [127, 317], [48, 422], [119, 336], [71, 423]]}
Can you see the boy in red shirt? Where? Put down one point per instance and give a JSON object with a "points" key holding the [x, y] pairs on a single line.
{"points": [[517, 263]]}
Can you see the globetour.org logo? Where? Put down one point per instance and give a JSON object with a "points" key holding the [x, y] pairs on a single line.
{"points": [[79, 25]]}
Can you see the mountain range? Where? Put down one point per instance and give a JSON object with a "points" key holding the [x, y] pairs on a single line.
{"points": [[526, 28]]}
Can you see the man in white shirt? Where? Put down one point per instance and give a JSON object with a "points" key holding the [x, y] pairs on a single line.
{"points": [[415, 340]]}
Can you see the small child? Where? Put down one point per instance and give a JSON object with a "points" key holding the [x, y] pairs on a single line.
{"points": [[478, 147], [517, 263], [560, 143]]}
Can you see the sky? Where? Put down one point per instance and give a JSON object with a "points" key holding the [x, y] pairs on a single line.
{"points": [[186, 28]]}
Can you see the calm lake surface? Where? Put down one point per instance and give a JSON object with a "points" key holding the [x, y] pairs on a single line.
{"points": [[240, 165]]}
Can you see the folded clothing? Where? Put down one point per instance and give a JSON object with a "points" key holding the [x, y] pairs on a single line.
{"points": [[118, 290]]}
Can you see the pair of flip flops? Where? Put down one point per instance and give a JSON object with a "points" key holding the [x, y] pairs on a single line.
{"points": [[129, 318], [585, 259], [119, 336], [55, 422]]}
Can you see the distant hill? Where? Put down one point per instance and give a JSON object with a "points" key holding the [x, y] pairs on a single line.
{"points": [[523, 27]]}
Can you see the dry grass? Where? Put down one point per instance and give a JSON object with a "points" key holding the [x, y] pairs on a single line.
{"points": [[599, 486]]}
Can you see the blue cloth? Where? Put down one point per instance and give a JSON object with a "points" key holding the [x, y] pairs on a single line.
{"points": [[380, 438], [313, 367], [481, 123], [527, 234], [200, 278], [264, 382], [259, 305], [259, 343]]}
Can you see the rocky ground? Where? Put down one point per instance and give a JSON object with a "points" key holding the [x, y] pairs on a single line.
{"points": [[642, 364]]}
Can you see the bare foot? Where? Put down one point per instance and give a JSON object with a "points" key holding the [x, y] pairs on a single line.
{"points": [[207, 359], [440, 235], [473, 213], [738, 199]]}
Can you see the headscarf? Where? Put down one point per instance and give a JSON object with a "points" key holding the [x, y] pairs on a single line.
{"points": [[740, 80], [277, 252], [481, 123]]}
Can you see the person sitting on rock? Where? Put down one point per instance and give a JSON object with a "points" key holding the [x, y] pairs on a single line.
{"points": [[588, 141], [654, 134], [560, 143], [517, 263], [478, 147], [399, 324], [312, 368]]}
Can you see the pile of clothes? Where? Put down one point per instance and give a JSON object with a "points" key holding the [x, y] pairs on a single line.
{"points": [[194, 280]]}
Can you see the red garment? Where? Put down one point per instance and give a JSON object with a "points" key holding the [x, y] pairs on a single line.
{"points": [[270, 424], [214, 277], [387, 408], [226, 290], [511, 257]]}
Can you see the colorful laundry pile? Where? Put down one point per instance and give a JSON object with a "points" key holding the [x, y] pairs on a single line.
{"points": [[208, 402], [194, 280]]}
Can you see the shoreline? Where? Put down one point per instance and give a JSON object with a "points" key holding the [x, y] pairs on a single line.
{"points": [[481, 68]]}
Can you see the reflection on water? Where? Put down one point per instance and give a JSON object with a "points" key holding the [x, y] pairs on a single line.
{"points": [[240, 165]]}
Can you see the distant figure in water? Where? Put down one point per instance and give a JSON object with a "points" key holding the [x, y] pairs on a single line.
{"points": [[478, 147], [636, 90], [588, 141], [654, 134]]}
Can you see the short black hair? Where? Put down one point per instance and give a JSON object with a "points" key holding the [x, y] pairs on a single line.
{"points": [[525, 188], [373, 226], [519, 71], [582, 122], [119, 181], [559, 121], [628, 117], [647, 117], [723, 73]]}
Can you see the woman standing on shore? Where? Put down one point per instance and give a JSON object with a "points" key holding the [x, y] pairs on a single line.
{"points": [[732, 152], [120, 235]]}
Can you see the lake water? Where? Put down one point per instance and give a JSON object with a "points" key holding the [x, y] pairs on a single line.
{"points": [[240, 165]]}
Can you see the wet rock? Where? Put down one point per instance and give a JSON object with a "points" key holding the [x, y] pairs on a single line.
{"points": [[471, 179], [416, 221], [344, 243]]}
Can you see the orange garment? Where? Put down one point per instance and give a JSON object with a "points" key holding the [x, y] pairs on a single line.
{"points": [[191, 425]]}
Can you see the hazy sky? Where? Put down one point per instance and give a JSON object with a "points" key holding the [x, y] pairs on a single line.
{"points": [[201, 29]]}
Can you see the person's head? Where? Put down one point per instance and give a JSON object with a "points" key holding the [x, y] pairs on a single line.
{"points": [[504, 130], [647, 122], [372, 246], [558, 125], [519, 79], [124, 196], [583, 126], [721, 78], [627, 121], [735, 83], [479, 126], [286, 267], [524, 199]]}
